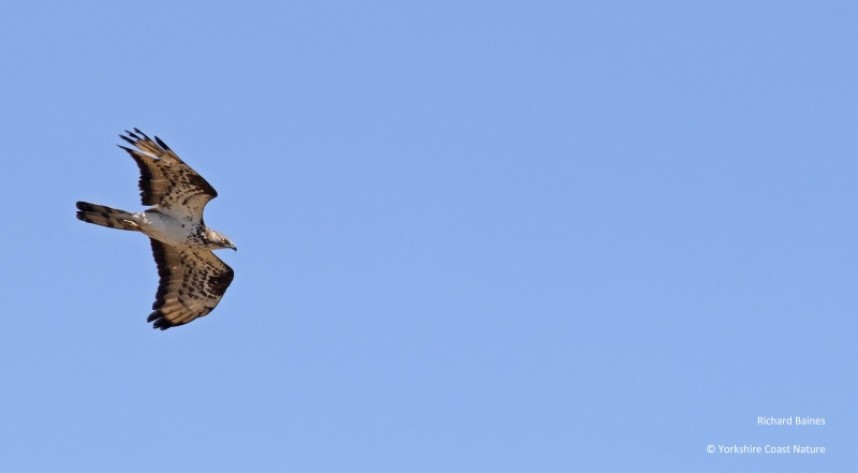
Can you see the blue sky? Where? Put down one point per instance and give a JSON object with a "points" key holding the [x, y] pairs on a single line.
{"points": [[474, 236]]}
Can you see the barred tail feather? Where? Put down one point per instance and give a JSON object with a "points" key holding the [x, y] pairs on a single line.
{"points": [[106, 216]]}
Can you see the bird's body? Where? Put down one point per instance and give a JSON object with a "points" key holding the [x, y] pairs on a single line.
{"points": [[193, 279], [170, 231]]}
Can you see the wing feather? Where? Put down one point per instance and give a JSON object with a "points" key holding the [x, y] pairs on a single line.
{"points": [[165, 180], [191, 284]]}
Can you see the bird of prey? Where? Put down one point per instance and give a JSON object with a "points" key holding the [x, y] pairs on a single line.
{"points": [[192, 279]]}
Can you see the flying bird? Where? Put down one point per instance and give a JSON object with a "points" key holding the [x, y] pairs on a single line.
{"points": [[192, 279]]}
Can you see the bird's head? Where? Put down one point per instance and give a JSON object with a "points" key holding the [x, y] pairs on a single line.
{"points": [[218, 241]]}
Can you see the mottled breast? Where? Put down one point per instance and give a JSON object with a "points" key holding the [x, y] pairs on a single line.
{"points": [[170, 231]]}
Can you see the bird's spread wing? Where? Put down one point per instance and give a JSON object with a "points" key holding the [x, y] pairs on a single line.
{"points": [[192, 284], [166, 181]]}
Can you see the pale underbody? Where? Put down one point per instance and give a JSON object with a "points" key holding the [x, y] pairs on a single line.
{"points": [[167, 229]]}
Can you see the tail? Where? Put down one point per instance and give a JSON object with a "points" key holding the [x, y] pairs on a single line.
{"points": [[101, 215]]}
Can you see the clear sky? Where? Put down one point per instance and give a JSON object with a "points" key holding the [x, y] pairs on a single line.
{"points": [[473, 236]]}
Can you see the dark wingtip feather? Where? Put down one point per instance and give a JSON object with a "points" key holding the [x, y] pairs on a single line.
{"points": [[132, 152], [158, 321], [144, 135], [162, 144]]}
